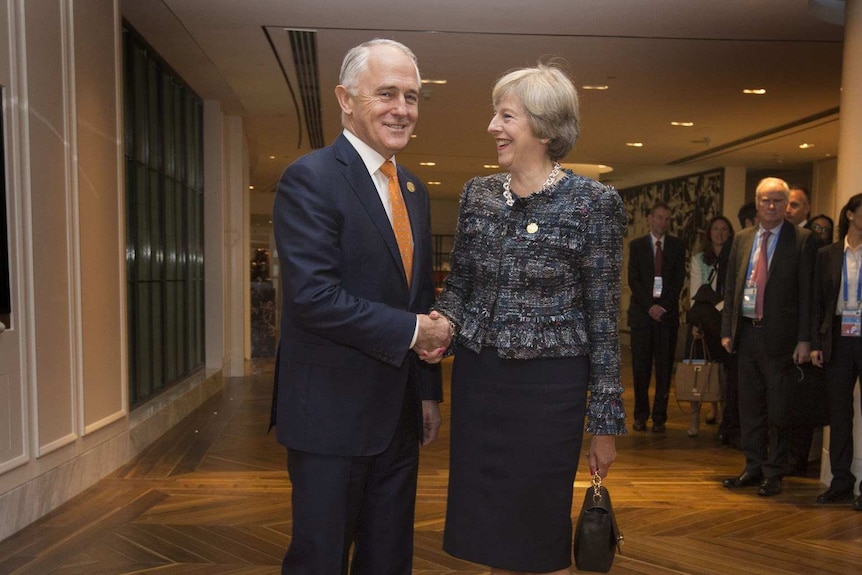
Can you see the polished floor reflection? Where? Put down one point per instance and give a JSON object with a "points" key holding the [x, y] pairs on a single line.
{"points": [[212, 497]]}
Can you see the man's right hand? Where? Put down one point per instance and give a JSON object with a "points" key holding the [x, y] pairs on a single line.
{"points": [[433, 338]]}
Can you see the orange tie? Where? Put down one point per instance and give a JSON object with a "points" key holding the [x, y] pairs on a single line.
{"points": [[400, 220]]}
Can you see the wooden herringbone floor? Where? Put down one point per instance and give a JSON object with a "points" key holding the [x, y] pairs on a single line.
{"points": [[212, 497]]}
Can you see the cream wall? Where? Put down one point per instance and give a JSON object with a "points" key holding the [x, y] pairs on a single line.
{"points": [[64, 420]]}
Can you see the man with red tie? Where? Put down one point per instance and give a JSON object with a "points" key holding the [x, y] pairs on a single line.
{"points": [[766, 320], [656, 273]]}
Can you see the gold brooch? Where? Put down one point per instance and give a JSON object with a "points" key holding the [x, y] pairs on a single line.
{"points": [[532, 228], [411, 187]]}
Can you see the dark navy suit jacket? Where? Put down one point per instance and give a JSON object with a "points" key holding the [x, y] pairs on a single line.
{"points": [[348, 316], [641, 274]]}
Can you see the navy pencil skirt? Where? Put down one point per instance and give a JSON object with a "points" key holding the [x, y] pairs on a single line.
{"points": [[516, 433]]}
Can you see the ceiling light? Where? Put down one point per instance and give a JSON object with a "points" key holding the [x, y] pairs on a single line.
{"points": [[438, 82], [413, 136], [491, 166], [755, 91], [251, 187], [805, 146], [635, 144], [593, 171], [427, 163], [595, 87], [433, 183], [683, 124], [272, 157]]}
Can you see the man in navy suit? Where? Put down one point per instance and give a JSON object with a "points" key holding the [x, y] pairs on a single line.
{"points": [[767, 321], [353, 401], [656, 273]]}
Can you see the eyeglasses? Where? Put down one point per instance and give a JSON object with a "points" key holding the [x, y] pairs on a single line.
{"points": [[821, 229]]}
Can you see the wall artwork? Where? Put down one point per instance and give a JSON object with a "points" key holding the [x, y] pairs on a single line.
{"points": [[694, 200]]}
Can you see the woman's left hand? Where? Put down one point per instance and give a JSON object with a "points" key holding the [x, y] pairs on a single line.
{"points": [[603, 452]]}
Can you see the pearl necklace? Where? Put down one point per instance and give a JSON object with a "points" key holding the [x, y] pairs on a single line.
{"points": [[507, 190]]}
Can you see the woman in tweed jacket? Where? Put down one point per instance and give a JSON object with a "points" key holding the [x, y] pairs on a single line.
{"points": [[533, 299]]}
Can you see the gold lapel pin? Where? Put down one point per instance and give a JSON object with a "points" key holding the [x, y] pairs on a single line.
{"points": [[532, 228], [411, 187]]}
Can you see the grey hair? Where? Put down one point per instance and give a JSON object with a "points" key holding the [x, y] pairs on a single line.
{"points": [[356, 62], [769, 182], [551, 102]]}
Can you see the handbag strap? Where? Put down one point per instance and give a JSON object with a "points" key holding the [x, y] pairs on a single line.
{"points": [[597, 498], [703, 347]]}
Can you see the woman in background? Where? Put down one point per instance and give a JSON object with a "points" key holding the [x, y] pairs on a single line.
{"points": [[533, 300], [708, 268]]}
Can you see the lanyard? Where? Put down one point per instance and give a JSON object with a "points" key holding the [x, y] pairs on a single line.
{"points": [[858, 282], [770, 249]]}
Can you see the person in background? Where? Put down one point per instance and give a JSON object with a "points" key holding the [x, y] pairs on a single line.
{"points": [[709, 268], [837, 344], [805, 406], [767, 321], [799, 206], [353, 403], [533, 296], [823, 228], [747, 215], [656, 274]]}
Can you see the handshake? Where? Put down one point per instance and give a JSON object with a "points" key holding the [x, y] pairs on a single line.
{"points": [[434, 336]]}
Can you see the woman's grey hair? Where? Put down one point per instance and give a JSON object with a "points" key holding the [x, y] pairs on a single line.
{"points": [[356, 62], [551, 102]]}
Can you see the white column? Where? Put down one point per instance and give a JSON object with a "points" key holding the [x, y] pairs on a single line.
{"points": [[214, 234]]}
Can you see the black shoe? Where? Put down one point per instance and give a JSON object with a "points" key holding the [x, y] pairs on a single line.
{"points": [[857, 505], [639, 426], [770, 486], [832, 496], [658, 428], [745, 480]]}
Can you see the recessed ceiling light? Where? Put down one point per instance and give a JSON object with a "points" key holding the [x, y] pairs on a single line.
{"points": [[413, 136], [755, 91], [491, 166], [635, 144], [683, 124], [805, 146], [251, 187], [595, 87], [272, 157], [438, 82], [427, 163], [433, 183]]}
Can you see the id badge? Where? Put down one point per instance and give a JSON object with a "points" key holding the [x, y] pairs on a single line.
{"points": [[749, 297], [851, 323], [656, 287]]}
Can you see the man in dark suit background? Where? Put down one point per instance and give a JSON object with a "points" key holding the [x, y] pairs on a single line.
{"points": [[766, 320], [656, 273], [348, 387]]}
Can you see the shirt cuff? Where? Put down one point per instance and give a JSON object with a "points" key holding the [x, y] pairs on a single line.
{"points": [[415, 333]]}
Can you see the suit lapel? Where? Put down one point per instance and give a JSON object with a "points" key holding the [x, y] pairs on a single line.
{"points": [[784, 249], [745, 244], [357, 177]]}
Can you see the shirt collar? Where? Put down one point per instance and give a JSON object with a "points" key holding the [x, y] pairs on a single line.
{"points": [[370, 157], [851, 250]]}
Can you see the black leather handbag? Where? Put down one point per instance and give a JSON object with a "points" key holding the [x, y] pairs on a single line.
{"points": [[597, 536]]}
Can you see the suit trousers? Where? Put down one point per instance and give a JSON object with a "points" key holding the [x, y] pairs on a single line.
{"points": [[654, 344], [729, 426], [842, 371], [367, 502], [762, 402]]}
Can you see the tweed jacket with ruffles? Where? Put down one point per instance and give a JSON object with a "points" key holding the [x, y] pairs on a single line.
{"points": [[542, 279]]}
